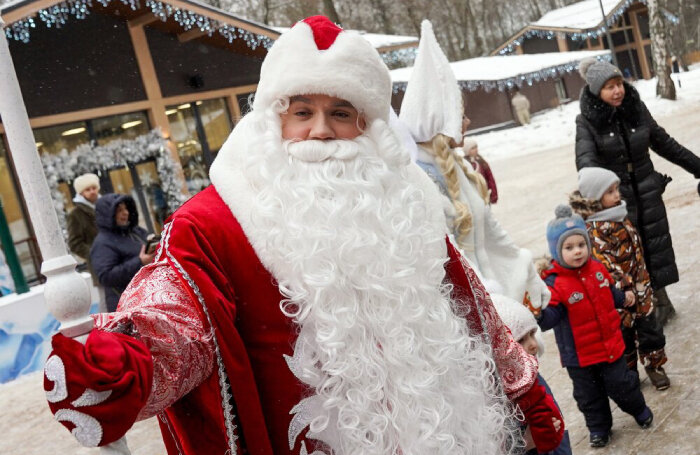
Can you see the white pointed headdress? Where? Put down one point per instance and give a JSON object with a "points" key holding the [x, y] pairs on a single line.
{"points": [[432, 104]]}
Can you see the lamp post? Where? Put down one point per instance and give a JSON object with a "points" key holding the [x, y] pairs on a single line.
{"points": [[607, 34], [66, 293]]}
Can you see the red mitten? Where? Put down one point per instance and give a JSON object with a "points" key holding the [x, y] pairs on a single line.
{"points": [[539, 408], [96, 390]]}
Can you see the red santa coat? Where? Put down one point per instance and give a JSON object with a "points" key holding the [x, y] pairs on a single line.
{"points": [[237, 299]]}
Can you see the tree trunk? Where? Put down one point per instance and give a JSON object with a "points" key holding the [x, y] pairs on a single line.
{"points": [[664, 87], [266, 11], [381, 11], [478, 43], [331, 12]]}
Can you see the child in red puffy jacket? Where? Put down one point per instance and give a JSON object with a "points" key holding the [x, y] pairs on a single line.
{"points": [[618, 246], [587, 329]]}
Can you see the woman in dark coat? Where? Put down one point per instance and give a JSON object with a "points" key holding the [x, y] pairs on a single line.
{"points": [[118, 251], [615, 131]]}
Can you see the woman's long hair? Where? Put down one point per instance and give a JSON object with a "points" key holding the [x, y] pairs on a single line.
{"points": [[448, 161]]}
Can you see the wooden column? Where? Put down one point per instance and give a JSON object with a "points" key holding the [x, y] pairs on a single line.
{"points": [[156, 109], [233, 107], [639, 46], [563, 45]]}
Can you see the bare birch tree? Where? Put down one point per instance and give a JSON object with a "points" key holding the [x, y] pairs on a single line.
{"points": [[665, 86]]}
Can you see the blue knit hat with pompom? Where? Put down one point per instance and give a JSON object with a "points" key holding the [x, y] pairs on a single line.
{"points": [[563, 226]]}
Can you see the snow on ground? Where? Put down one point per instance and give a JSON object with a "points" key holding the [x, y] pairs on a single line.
{"points": [[556, 127], [530, 186]]}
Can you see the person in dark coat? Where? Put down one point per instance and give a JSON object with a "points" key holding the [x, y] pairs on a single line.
{"points": [[81, 225], [118, 251], [615, 131], [471, 154]]}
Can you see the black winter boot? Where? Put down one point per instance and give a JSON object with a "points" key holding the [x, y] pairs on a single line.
{"points": [[664, 308], [645, 419], [599, 440]]}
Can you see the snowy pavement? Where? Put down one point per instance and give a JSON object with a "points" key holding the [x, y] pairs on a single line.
{"points": [[531, 185], [534, 168]]}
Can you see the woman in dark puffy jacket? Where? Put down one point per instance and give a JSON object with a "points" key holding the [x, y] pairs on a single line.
{"points": [[615, 131], [118, 251]]}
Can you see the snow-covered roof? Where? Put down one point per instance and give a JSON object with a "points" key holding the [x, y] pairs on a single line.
{"points": [[581, 16], [500, 67], [377, 40]]}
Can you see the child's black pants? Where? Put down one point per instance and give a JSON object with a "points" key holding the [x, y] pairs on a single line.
{"points": [[647, 336], [594, 384]]}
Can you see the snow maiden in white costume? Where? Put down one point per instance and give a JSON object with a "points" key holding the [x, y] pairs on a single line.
{"points": [[432, 110]]}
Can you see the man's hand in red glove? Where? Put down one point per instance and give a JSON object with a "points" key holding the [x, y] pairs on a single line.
{"points": [[542, 417], [96, 390]]}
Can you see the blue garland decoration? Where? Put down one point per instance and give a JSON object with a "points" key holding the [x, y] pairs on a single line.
{"points": [[400, 57], [58, 15], [515, 81], [580, 36]]}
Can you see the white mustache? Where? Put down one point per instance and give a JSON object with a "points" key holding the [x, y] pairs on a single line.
{"points": [[314, 151]]}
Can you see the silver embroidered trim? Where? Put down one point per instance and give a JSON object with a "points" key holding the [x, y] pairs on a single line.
{"points": [[87, 431], [304, 452], [55, 371], [90, 398], [223, 378], [302, 418], [163, 418]]}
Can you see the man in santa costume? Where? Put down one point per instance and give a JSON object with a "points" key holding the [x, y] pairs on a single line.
{"points": [[307, 301]]}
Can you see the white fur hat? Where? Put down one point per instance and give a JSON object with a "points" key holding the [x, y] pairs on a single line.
{"points": [[517, 318], [317, 57], [469, 143], [593, 182], [85, 181], [432, 104]]}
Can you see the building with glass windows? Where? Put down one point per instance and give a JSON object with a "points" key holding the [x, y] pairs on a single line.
{"points": [[97, 71], [94, 72], [581, 26]]}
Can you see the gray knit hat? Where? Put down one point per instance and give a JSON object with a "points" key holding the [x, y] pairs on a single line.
{"points": [[597, 73], [593, 182]]}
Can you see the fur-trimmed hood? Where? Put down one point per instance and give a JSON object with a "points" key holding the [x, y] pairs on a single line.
{"points": [[584, 206], [600, 113]]}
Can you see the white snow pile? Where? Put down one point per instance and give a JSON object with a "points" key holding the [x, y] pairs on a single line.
{"points": [[582, 15], [556, 128]]}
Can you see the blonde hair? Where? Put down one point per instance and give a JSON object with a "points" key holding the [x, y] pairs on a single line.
{"points": [[448, 160]]}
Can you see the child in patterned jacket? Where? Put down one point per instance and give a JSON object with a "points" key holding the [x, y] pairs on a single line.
{"points": [[616, 243]]}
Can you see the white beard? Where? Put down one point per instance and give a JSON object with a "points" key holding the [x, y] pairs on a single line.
{"points": [[391, 369]]}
